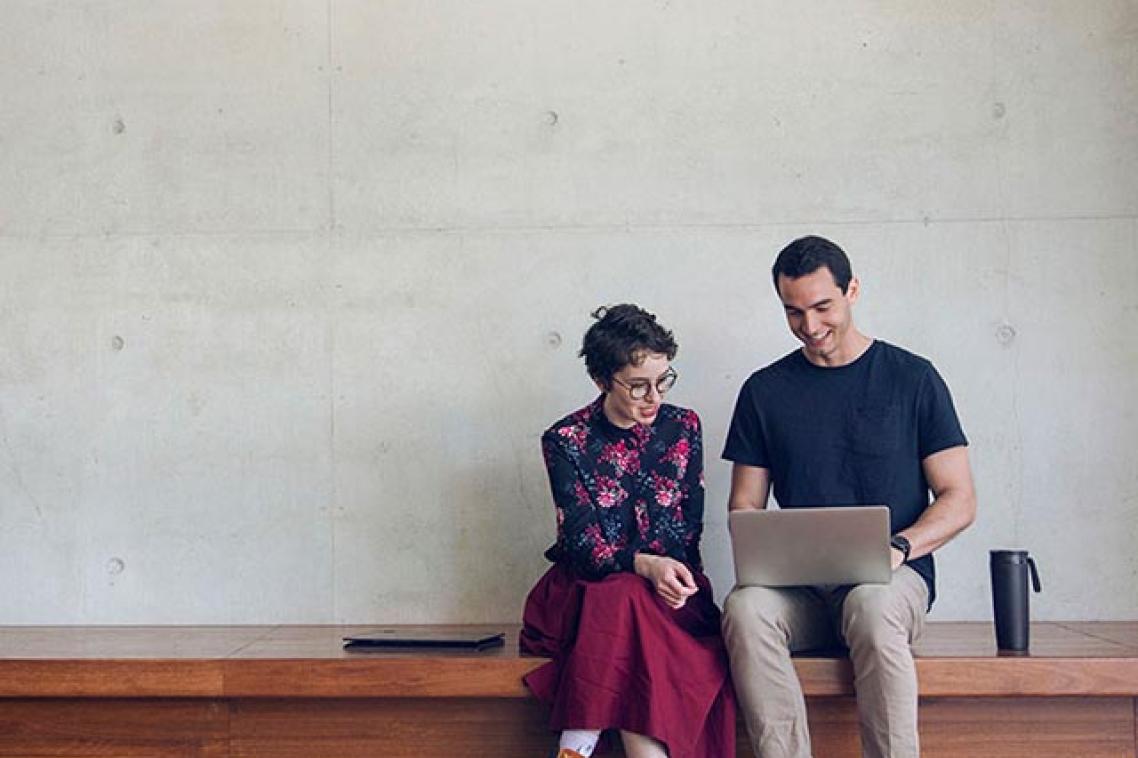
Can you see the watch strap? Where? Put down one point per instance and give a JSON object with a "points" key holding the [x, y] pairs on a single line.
{"points": [[901, 543]]}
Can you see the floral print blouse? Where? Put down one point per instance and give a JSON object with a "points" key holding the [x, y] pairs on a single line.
{"points": [[622, 491]]}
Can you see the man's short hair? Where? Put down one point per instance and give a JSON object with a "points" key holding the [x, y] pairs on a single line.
{"points": [[623, 335], [808, 254]]}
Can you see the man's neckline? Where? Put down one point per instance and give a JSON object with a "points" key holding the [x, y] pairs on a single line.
{"points": [[868, 349]]}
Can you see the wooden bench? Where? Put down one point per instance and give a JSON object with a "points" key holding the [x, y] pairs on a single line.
{"points": [[293, 691]]}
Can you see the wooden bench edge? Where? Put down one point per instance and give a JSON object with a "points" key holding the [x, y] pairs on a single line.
{"points": [[428, 677]]}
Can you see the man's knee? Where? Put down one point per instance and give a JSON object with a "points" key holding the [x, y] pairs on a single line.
{"points": [[751, 612], [875, 617]]}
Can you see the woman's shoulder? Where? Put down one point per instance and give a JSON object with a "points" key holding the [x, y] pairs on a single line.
{"points": [[686, 418], [572, 428]]}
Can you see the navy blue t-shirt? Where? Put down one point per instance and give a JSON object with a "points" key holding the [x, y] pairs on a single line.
{"points": [[848, 435]]}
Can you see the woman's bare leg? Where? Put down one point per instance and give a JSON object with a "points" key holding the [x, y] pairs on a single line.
{"points": [[640, 746]]}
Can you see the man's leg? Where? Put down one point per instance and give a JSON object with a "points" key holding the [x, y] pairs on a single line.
{"points": [[761, 627], [879, 622]]}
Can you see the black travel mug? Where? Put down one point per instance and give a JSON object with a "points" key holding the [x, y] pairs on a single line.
{"points": [[1010, 569]]}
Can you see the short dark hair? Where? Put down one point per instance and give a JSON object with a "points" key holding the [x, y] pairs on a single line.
{"points": [[621, 336], [808, 254]]}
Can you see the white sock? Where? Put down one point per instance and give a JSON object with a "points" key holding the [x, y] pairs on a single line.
{"points": [[584, 741]]}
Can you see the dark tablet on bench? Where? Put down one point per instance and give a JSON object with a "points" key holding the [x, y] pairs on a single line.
{"points": [[425, 638]]}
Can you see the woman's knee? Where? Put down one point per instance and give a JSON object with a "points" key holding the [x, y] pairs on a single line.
{"points": [[620, 585]]}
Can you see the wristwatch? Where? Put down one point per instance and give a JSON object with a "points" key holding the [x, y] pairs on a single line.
{"points": [[901, 543]]}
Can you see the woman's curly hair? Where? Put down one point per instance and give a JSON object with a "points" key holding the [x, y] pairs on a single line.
{"points": [[623, 335]]}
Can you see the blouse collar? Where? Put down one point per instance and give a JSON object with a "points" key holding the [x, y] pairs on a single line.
{"points": [[639, 432]]}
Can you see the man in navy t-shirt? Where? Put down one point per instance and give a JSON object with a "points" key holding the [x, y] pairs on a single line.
{"points": [[846, 420]]}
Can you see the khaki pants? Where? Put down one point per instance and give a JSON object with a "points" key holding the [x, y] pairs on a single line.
{"points": [[762, 626]]}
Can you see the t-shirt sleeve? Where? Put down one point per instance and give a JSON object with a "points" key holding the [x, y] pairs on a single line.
{"points": [[745, 443], [939, 427]]}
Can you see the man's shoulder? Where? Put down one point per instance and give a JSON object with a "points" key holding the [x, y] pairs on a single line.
{"points": [[786, 365], [900, 359]]}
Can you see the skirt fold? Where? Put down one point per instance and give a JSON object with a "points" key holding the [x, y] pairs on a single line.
{"points": [[622, 659]]}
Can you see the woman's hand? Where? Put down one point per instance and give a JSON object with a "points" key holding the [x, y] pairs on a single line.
{"points": [[671, 579]]}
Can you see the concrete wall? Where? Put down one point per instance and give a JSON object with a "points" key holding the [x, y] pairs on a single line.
{"points": [[288, 290]]}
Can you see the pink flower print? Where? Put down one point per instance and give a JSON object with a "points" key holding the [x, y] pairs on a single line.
{"points": [[577, 434], [602, 551], [642, 433], [641, 513], [678, 455], [667, 491], [580, 493], [609, 492], [584, 415], [623, 460], [690, 420]]}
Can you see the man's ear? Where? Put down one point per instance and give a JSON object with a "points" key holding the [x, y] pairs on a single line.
{"points": [[853, 291]]}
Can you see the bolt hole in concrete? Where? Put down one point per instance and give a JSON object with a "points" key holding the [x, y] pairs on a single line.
{"points": [[118, 126], [998, 110], [117, 343], [1005, 334], [115, 566], [553, 339]]}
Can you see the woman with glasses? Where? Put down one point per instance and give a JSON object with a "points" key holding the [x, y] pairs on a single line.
{"points": [[625, 612]]}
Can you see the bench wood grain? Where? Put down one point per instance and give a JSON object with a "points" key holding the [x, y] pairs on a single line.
{"points": [[223, 692]]}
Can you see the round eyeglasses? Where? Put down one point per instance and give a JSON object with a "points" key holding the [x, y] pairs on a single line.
{"points": [[639, 389]]}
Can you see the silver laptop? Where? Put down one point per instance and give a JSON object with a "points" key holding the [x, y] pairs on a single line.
{"points": [[796, 546]]}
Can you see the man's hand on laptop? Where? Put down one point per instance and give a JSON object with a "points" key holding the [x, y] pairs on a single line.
{"points": [[671, 579], [896, 558]]}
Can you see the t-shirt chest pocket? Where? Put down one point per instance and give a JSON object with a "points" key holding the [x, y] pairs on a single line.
{"points": [[874, 429]]}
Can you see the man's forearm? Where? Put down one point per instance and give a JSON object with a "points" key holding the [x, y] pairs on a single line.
{"points": [[947, 516], [745, 503]]}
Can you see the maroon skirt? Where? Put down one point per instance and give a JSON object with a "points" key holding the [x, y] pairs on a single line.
{"points": [[622, 659]]}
